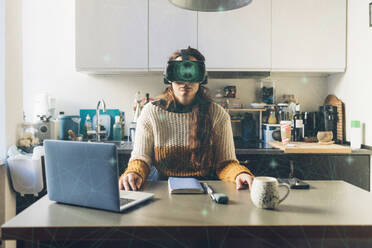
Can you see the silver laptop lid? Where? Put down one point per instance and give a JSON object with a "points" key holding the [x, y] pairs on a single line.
{"points": [[82, 173]]}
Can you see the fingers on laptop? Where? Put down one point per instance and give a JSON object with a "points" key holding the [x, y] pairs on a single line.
{"points": [[132, 181]]}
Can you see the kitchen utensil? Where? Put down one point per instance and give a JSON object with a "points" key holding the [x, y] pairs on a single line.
{"points": [[265, 192]]}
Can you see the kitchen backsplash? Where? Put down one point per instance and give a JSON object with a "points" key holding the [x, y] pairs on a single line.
{"points": [[79, 91]]}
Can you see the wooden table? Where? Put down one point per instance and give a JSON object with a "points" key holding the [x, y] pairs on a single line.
{"points": [[330, 211]]}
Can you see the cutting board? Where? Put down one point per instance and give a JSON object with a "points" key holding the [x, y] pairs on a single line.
{"points": [[302, 147], [334, 101]]}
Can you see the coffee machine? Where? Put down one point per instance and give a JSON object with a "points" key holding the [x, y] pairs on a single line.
{"points": [[328, 119]]}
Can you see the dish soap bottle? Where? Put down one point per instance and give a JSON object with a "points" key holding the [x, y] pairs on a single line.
{"points": [[87, 126], [117, 129]]}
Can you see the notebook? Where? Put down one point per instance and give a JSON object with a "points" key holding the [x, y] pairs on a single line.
{"points": [[184, 185]]}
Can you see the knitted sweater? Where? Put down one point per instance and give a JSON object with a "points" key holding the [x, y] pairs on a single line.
{"points": [[162, 140]]}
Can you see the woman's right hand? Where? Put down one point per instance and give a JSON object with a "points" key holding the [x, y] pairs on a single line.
{"points": [[131, 181]]}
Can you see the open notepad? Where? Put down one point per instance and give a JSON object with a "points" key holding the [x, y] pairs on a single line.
{"points": [[184, 185]]}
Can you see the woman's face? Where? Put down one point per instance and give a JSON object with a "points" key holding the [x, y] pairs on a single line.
{"points": [[185, 92]]}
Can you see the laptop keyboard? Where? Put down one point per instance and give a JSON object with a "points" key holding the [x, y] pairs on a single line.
{"points": [[124, 201]]}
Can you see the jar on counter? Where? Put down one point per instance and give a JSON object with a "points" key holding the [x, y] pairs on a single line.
{"points": [[27, 137]]}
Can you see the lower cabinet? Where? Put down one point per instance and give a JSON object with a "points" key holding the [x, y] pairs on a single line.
{"points": [[354, 169]]}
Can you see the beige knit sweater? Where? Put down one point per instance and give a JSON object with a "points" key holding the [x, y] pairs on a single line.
{"points": [[162, 140]]}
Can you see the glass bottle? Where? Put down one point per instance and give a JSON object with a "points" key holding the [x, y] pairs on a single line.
{"points": [[117, 129], [272, 117]]}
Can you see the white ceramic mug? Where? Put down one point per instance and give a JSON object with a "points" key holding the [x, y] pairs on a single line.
{"points": [[265, 193]]}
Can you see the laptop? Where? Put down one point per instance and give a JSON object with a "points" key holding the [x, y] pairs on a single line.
{"points": [[86, 174]]}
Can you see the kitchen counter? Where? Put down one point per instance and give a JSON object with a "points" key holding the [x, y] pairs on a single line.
{"points": [[329, 210], [244, 148]]}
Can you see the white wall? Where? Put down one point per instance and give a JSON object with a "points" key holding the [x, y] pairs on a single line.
{"points": [[48, 61], [354, 87], [2, 80], [13, 98]]}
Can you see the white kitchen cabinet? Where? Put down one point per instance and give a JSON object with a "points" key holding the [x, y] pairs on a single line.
{"points": [[237, 40], [309, 35], [111, 35], [170, 29]]}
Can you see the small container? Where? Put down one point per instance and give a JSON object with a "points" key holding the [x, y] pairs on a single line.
{"points": [[69, 122], [285, 132], [87, 126], [132, 131], [355, 135], [117, 135]]}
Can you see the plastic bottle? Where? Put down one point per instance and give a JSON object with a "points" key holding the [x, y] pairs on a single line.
{"points": [[122, 122], [87, 125], [355, 135], [132, 131], [137, 113], [117, 129]]}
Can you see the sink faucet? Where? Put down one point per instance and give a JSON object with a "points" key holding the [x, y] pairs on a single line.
{"points": [[98, 128]]}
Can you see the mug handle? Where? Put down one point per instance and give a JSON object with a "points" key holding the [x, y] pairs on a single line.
{"points": [[288, 189]]}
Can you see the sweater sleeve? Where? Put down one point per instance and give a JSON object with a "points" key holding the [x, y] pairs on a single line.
{"points": [[143, 148], [227, 166]]}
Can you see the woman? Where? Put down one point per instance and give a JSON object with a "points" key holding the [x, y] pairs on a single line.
{"points": [[185, 134]]}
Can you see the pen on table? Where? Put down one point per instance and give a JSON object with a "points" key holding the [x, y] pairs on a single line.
{"points": [[217, 197]]}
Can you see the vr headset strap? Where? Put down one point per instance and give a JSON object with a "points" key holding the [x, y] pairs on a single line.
{"points": [[184, 55]]}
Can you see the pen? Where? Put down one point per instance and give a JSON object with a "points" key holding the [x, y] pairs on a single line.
{"points": [[217, 197]]}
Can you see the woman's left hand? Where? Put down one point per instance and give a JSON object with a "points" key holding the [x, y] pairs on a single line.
{"points": [[243, 179]]}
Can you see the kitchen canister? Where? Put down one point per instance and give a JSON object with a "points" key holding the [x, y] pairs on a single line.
{"points": [[68, 122], [355, 135]]}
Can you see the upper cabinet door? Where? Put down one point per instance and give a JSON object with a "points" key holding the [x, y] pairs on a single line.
{"points": [[111, 35], [308, 35], [237, 40], [170, 29]]}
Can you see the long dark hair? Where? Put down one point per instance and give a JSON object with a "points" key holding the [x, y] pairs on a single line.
{"points": [[201, 136]]}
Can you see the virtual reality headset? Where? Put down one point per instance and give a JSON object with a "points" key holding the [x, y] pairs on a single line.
{"points": [[185, 70]]}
